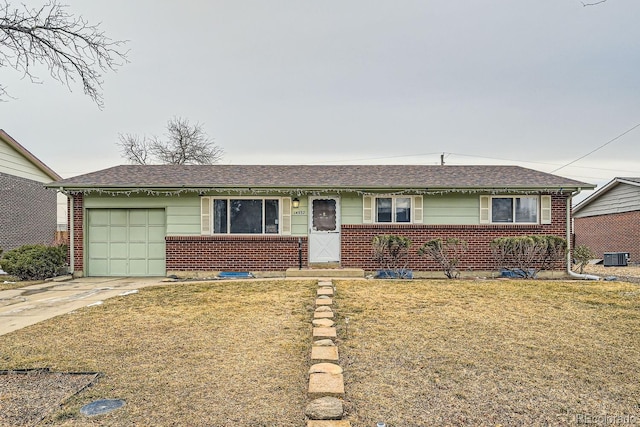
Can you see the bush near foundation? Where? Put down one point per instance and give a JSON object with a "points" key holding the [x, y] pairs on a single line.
{"points": [[447, 253], [34, 262], [582, 254], [392, 252], [525, 256]]}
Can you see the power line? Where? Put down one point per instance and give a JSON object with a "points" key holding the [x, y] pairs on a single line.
{"points": [[593, 151]]}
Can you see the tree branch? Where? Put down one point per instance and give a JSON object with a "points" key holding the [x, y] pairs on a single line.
{"points": [[68, 46]]}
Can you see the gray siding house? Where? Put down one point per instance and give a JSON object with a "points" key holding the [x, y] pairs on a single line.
{"points": [[28, 210], [609, 219]]}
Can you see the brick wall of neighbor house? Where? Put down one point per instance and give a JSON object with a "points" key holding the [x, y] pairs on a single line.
{"points": [[610, 233], [27, 212], [357, 249], [233, 253]]}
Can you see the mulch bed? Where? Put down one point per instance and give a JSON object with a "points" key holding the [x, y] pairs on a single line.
{"points": [[28, 396]]}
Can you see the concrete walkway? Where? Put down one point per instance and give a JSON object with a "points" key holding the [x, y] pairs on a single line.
{"points": [[26, 306]]}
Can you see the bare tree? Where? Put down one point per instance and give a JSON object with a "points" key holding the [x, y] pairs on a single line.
{"points": [[185, 144], [70, 47]]}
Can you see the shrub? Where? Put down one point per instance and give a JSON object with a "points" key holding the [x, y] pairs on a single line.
{"points": [[392, 252], [445, 252], [525, 256], [582, 254], [34, 262]]}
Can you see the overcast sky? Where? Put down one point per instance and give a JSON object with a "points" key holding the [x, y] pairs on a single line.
{"points": [[536, 83]]}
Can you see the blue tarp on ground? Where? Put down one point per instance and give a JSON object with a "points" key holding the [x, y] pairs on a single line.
{"points": [[235, 275]]}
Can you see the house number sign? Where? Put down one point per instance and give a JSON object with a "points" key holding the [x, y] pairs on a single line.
{"points": [[299, 212]]}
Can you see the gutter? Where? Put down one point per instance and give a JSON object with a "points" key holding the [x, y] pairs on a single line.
{"points": [[569, 271]]}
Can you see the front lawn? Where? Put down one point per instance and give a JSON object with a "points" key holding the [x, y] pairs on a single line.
{"points": [[188, 354], [462, 353]]}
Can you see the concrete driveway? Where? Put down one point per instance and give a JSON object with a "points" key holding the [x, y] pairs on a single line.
{"points": [[32, 304]]}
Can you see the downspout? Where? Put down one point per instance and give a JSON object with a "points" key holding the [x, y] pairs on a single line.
{"points": [[569, 271]]}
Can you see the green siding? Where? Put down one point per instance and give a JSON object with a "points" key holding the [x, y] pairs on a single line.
{"points": [[300, 218], [351, 209], [452, 209], [14, 163]]}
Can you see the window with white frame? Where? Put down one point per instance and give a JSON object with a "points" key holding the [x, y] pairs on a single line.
{"points": [[392, 209], [515, 209], [250, 215]]}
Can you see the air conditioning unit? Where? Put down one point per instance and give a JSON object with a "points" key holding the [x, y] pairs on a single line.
{"points": [[616, 259]]}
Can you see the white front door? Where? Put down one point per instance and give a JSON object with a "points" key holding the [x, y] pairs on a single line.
{"points": [[324, 229]]}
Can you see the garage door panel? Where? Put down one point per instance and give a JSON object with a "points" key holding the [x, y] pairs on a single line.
{"points": [[138, 217], [157, 217], [138, 234], [156, 250], [118, 267], [99, 267], [138, 250], [126, 242], [99, 250], [138, 267], [99, 234], [99, 217], [118, 234], [156, 265], [118, 217]]}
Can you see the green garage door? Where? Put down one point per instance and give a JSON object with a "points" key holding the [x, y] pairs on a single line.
{"points": [[126, 242]]}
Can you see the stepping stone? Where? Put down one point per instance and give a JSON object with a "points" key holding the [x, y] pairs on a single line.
{"points": [[324, 301], [324, 408], [323, 323], [324, 333], [321, 385], [324, 343], [325, 283], [324, 308], [325, 368], [341, 423], [323, 314], [325, 291], [324, 353]]}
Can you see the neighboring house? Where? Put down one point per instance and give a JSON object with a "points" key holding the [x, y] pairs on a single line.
{"points": [[164, 219], [28, 212], [609, 219]]}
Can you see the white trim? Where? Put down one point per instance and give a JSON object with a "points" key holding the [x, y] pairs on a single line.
{"points": [[367, 209], [545, 209], [418, 210], [485, 211], [285, 216], [205, 216]]}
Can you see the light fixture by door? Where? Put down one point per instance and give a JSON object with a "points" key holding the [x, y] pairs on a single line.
{"points": [[295, 203]]}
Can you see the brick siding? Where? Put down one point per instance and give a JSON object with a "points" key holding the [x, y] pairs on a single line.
{"points": [[28, 212], [610, 233], [234, 253], [78, 230]]}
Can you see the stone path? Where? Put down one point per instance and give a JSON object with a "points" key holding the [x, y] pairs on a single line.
{"points": [[326, 382]]}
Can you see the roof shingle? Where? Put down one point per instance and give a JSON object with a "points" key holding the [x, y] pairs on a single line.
{"points": [[316, 176]]}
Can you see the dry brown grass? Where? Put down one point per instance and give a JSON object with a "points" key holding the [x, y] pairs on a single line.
{"points": [[10, 282], [489, 353], [217, 354]]}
